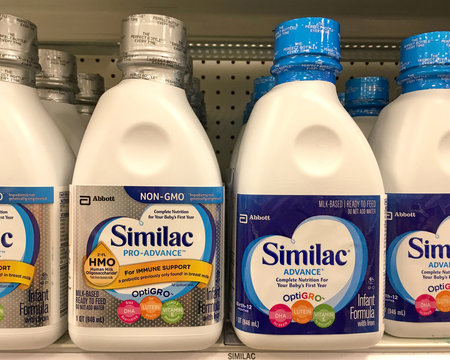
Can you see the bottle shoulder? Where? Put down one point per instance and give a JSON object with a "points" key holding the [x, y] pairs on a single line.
{"points": [[147, 137], [304, 142]]}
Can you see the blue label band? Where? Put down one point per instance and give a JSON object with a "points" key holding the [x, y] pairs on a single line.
{"points": [[176, 194], [26, 195], [307, 264], [418, 258]]}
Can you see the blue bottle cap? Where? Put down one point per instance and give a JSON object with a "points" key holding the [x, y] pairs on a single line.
{"points": [[366, 96], [307, 49], [431, 48], [424, 62], [311, 35], [361, 90], [341, 97], [262, 86]]}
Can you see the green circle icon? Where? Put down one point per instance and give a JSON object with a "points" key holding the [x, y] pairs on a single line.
{"points": [[323, 316], [172, 311]]}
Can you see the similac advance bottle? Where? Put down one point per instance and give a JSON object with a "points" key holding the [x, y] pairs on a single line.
{"points": [[364, 99], [91, 86], [57, 85], [147, 245], [309, 249], [411, 141], [36, 165]]}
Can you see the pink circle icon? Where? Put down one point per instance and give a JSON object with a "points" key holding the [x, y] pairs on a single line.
{"points": [[280, 315], [425, 305], [129, 311]]}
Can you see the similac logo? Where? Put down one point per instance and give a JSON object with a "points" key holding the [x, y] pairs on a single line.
{"points": [[124, 235], [313, 256], [309, 264], [423, 249]]}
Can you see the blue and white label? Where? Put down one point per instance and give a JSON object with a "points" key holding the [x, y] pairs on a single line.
{"points": [[418, 258], [26, 195], [307, 264]]}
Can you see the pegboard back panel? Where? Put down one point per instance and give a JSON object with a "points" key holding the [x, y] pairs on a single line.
{"points": [[227, 85]]}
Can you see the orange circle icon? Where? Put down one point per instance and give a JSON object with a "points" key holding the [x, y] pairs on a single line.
{"points": [[443, 301], [302, 311], [151, 307]]}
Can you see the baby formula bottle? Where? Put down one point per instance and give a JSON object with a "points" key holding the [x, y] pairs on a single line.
{"points": [[308, 252], [91, 86], [411, 141], [36, 168], [364, 99], [57, 86], [147, 195], [341, 97]]}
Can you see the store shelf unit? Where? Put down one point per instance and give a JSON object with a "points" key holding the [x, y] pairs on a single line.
{"points": [[232, 44]]}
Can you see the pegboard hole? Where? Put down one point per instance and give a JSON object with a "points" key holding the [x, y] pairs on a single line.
{"points": [[217, 136], [247, 92], [217, 107], [218, 77], [248, 62], [82, 60], [203, 62], [247, 77], [352, 63], [233, 77], [113, 60], [352, 77], [233, 62], [113, 75], [217, 122], [203, 77], [232, 122], [381, 63], [232, 137], [233, 92], [218, 92], [97, 60], [218, 62], [367, 63], [217, 152], [263, 62], [232, 107]]}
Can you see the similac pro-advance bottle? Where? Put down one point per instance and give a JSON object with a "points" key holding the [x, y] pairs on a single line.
{"points": [[310, 208], [37, 165], [364, 99], [411, 141], [147, 233], [57, 86], [91, 86]]}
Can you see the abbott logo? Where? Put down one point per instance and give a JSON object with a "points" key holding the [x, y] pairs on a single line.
{"points": [[85, 200], [243, 218]]}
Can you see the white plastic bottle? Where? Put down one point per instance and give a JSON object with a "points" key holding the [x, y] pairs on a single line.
{"points": [[57, 86], [147, 200], [364, 99], [308, 249], [34, 190], [91, 86], [261, 86], [411, 141]]}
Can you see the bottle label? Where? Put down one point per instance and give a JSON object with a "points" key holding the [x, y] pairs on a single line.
{"points": [[418, 258], [307, 264], [146, 256], [34, 240]]}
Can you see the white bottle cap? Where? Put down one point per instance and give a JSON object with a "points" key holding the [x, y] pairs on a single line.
{"points": [[18, 42], [59, 70], [153, 39], [92, 86]]}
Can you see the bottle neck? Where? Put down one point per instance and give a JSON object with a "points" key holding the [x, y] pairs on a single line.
{"points": [[428, 77], [364, 111], [87, 109], [163, 75], [17, 75], [306, 68], [56, 95]]}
